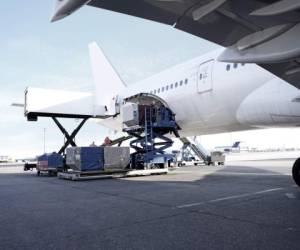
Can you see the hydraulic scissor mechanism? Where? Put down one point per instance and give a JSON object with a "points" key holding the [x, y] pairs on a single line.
{"points": [[149, 122], [69, 137]]}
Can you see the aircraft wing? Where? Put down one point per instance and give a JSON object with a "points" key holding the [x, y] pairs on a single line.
{"points": [[265, 32]]}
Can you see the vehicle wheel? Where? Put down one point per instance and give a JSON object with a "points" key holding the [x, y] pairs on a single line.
{"points": [[296, 172]]}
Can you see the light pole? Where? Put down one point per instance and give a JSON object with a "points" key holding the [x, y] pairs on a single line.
{"points": [[44, 140]]}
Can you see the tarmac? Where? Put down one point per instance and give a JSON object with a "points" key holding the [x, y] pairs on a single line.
{"points": [[243, 205]]}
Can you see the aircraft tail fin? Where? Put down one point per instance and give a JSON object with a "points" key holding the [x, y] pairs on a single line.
{"points": [[236, 144], [107, 82]]}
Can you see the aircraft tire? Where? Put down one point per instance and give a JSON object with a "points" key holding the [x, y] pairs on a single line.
{"points": [[296, 172]]}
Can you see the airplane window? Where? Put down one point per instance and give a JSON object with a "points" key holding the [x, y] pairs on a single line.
{"points": [[181, 82], [186, 81], [171, 86], [228, 67], [235, 65], [243, 64], [155, 91], [162, 89], [151, 92], [176, 84], [158, 90], [167, 87]]}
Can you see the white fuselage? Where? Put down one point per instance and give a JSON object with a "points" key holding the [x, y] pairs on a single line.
{"points": [[209, 96]]}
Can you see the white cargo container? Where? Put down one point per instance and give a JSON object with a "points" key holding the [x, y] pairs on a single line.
{"points": [[130, 114], [116, 158]]}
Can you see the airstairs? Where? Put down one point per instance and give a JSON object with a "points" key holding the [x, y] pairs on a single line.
{"points": [[190, 145]]}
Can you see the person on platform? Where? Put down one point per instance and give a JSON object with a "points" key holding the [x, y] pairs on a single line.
{"points": [[107, 141]]}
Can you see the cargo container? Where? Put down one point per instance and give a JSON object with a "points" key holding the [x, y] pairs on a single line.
{"points": [[133, 114], [49, 163], [116, 158], [85, 158]]}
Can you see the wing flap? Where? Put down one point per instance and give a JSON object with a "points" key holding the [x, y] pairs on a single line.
{"points": [[163, 11]]}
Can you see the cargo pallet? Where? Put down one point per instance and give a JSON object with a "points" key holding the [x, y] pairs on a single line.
{"points": [[94, 175]]}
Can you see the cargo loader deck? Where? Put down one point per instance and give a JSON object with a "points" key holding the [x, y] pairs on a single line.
{"points": [[94, 175], [89, 163]]}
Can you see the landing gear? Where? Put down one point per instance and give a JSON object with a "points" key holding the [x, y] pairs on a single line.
{"points": [[296, 172]]}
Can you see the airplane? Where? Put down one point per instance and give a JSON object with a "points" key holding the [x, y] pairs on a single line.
{"points": [[235, 147], [252, 82]]}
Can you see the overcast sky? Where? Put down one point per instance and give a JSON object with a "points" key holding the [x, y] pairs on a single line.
{"points": [[35, 52]]}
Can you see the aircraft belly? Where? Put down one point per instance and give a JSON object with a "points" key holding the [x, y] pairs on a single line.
{"points": [[204, 114], [113, 123], [215, 111]]}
